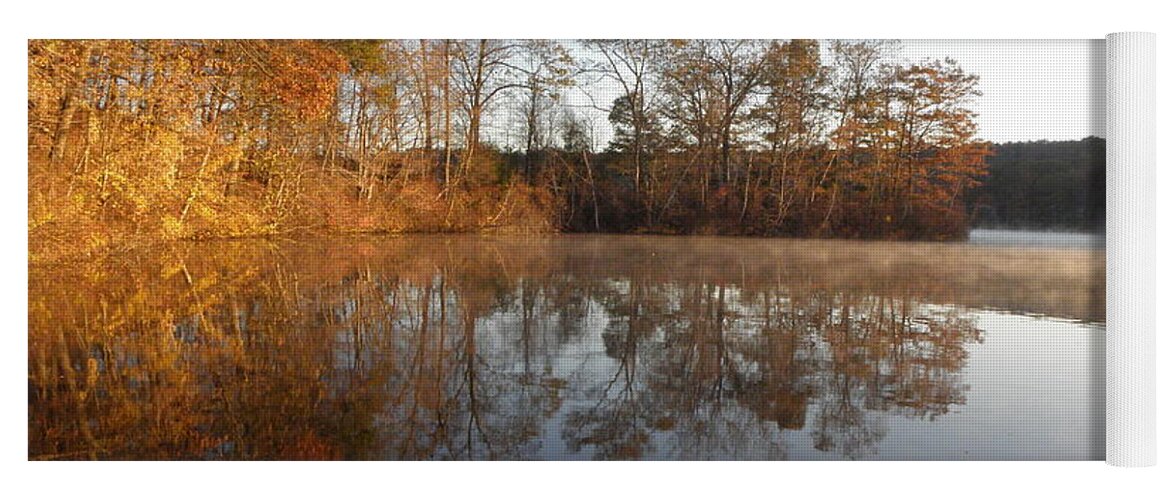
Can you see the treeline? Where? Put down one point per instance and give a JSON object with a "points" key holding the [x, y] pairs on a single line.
{"points": [[1044, 184], [173, 139]]}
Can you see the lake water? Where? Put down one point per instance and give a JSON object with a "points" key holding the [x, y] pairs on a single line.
{"points": [[572, 347]]}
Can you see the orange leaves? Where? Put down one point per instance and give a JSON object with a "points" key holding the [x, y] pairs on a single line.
{"points": [[310, 446], [300, 74], [133, 133]]}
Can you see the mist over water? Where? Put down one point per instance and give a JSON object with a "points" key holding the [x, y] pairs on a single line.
{"points": [[572, 347], [1042, 239]]}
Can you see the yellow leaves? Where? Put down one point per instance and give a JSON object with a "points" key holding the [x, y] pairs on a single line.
{"points": [[172, 227], [171, 268], [36, 220], [97, 240]]}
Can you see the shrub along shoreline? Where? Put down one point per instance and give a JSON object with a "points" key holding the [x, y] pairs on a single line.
{"points": [[420, 208]]}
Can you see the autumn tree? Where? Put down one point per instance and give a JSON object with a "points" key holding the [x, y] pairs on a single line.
{"points": [[484, 70], [630, 64], [792, 117], [546, 68], [709, 83]]}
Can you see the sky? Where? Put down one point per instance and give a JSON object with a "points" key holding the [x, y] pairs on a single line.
{"points": [[1032, 89]]}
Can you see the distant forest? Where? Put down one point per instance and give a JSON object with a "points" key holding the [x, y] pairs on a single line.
{"points": [[1043, 185], [155, 140]]}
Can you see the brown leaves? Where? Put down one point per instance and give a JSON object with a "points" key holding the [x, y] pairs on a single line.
{"points": [[300, 74]]}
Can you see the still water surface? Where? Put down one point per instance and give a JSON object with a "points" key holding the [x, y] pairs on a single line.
{"points": [[570, 347]]}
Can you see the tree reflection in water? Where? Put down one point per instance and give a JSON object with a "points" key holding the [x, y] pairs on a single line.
{"points": [[517, 348]]}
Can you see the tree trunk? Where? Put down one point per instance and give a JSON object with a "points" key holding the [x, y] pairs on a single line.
{"points": [[68, 107]]}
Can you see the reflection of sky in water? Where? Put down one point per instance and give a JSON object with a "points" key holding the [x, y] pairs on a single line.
{"points": [[589, 348], [1039, 239], [1028, 395]]}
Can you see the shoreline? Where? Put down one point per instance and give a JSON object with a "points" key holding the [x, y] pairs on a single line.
{"points": [[136, 244]]}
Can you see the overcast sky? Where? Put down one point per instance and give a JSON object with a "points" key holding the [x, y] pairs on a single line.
{"points": [[1033, 89]]}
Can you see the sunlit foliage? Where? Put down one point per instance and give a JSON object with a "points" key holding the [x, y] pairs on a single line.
{"points": [[146, 140]]}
